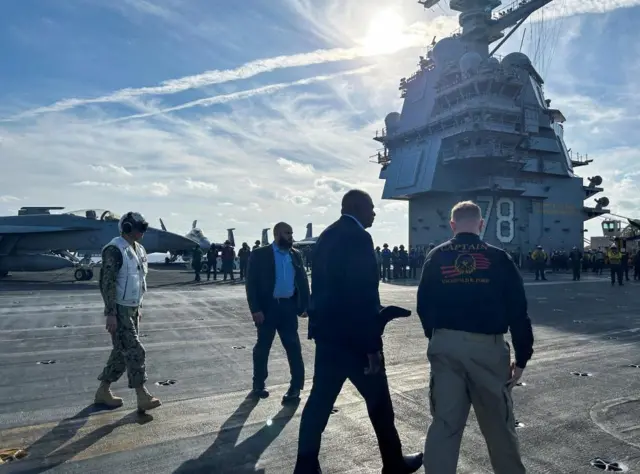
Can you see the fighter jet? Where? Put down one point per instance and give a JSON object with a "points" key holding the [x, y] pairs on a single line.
{"points": [[33, 240], [308, 239], [197, 236]]}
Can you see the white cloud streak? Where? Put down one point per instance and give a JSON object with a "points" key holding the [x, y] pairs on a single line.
{"points": [[224, 98]]}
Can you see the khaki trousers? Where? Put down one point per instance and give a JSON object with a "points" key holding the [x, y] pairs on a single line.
{"points": [[470, 369]]}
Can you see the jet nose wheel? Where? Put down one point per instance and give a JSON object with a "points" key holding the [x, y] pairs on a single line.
{"points": [[83, 275]]}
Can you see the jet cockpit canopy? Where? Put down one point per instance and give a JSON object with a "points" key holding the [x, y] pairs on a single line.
{"points": [[96, 214]]}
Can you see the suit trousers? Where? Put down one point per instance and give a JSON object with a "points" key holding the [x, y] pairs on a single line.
{"points": [[470, 369], [333, 366], [281, 317]]}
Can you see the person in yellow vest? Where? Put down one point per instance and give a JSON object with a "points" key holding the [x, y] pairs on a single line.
{"points": [[539, 258], [615, 264]]}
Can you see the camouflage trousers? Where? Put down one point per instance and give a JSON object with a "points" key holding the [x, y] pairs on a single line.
{"points": [[128, 353]]}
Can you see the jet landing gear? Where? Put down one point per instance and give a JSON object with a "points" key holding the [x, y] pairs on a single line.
{"points": [[82, 274]]}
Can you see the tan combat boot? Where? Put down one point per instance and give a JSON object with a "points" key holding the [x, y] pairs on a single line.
{"points": [[105, 397], [146, 401]]}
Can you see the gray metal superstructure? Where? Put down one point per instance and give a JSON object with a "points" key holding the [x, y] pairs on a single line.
{"points": [[476, 126]]}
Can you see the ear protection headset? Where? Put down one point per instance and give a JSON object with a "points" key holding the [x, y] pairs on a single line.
{"points": [[133, 221]]}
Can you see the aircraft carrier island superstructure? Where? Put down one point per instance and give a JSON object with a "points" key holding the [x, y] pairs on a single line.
{"points": [[476, 126]]}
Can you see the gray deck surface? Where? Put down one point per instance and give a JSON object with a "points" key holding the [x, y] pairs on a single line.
{"points": [[201, 336]]}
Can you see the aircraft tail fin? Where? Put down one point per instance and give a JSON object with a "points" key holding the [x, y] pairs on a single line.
{"points": [[162, 226], [193, 226], [230, 237], [265, 237], [309, 231]]}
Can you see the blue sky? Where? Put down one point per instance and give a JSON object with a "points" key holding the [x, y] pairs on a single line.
{"points": [[241, 114]]}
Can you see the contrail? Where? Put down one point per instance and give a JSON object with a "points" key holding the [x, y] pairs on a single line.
{"points": [[208, 78], [441, 25], [221, 99]]}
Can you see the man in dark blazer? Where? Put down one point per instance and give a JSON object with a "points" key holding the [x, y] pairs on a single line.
{"points": [[344, 320], [277, 292]]}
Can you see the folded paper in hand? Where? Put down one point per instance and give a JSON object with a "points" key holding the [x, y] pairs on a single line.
{"points": [[388, 313]]}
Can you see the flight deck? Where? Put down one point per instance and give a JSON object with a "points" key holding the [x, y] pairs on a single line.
{"points": [[578, 401]]}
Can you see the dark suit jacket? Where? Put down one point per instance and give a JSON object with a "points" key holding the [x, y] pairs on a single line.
{"points": [[345, 303], [261, 280]]}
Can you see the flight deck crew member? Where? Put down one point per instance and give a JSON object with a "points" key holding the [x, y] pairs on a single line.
{"points": [[196, 261], [277, 292], [243, 257], [228, 256], [576, 263], [539, 258], [624, 262], [470, 294], [615, 264], [122, 285], [342, 320], [386, 262], [212, 262]]}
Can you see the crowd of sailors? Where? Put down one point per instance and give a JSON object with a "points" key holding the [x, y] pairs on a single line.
{"points": [[403, 263]]}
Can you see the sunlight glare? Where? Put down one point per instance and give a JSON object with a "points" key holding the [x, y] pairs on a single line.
{"points": [[386, 33]]}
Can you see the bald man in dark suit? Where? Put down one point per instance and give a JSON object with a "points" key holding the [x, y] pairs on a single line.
{"points": [[344, 321]]}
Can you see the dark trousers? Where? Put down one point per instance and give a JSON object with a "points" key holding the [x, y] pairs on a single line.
{"points": [[212, 267], [386, 271], [616, 271], [539, 271], [333, 366], [227, 269], [280, 317], [243, 268], [576, 272], [197, 267]]}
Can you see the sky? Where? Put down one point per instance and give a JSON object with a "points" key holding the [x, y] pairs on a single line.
{"points": [[243, 114]]}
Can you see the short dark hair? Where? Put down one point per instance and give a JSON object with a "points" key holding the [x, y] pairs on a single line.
{"points": [[466, 210], [280, 226], [353, 199]]}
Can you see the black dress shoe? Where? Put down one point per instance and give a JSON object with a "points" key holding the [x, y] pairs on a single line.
{"points": [[410, 463], [291, 395], [259, 393]]}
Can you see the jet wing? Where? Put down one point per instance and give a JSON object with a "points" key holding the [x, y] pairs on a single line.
{"points": [[32, 229]]}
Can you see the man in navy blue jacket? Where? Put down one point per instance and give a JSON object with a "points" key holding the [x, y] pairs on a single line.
{"points": [[345, 322]]}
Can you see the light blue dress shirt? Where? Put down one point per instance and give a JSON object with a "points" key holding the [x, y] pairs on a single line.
{"points": [[285, 273]]}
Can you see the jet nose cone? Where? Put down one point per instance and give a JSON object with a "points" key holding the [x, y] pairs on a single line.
{"points": [[159, 241]]}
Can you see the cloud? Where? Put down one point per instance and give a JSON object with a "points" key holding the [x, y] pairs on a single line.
{"points": [[320, 209], [207, 188], [156, 189], [295, 168], [246, 94], [8, 198], [280, 138], [119, 170]]}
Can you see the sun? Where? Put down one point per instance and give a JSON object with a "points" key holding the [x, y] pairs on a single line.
{"points": [[385, 34]]}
